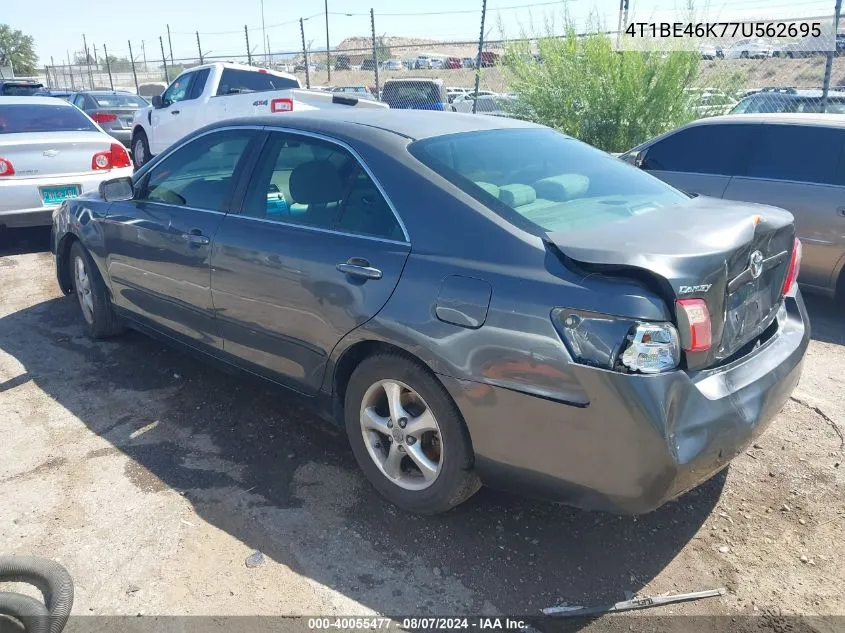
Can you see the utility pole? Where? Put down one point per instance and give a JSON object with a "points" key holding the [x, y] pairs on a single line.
{"points": [[134, 74], [88, 61], [163, 59], [170, 45], [305, 53], [828, 65], [248, 52], [623, 20], [480, 51], [70, 68], [96, 61], [269, 52], [108, 66], [144, 54], [328, 46], [199, 48], [264, 36], [375, 50]]}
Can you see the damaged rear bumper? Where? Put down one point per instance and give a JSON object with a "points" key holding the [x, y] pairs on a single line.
{"points": [[642, 440]]}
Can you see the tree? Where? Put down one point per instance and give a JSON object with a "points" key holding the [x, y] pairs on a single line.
{"points": [[17, 50], [81, 59], [611, 99], [382, 49], [119, 64]]}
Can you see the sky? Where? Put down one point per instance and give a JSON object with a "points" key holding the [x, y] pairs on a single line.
{"points": [[220, 22]]}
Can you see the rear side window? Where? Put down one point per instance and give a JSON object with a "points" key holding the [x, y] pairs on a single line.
{"points": [[43, 118], [701, 149], [804, 153], [234, 81]]}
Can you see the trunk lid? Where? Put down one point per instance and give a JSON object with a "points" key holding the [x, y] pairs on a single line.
{"points": [[123, 117], [703, 249], [37, 154]]}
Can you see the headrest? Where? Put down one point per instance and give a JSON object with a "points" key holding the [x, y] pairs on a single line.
{"points": [[563, 187], [517, 195], [492, 189], [316, 182]]}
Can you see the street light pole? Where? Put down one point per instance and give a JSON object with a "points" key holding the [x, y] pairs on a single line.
{"points": [[328, 48], [264, 34]]}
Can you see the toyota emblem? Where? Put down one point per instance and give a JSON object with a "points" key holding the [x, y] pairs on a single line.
{"points": [[755, 265]]}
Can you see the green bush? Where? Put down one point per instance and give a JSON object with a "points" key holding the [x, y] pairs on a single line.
{"points": [[613, 100]]}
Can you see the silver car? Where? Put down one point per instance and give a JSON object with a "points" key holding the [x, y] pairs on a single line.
{"points": [[50, 151], [112, 109], [792, 161]]}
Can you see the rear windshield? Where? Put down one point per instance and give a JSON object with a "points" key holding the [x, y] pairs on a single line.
{"points": [[543, 177], [234, 81], [43, 118], [411, 92], [20, 90], [118, 101]]}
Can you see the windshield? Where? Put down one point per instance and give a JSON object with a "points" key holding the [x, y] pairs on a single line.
{"points": [[539, 175], [43, 118], [118, 101]]}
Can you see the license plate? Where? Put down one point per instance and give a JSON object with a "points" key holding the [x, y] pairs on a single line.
{"points": [[56, 195]]}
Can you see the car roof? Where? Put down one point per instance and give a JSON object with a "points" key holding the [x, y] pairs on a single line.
{"points": [[104, 92], [792, 118], [412, 124], [34, 101], [796, 94]]}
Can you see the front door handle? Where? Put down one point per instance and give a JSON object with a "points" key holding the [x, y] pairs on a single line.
{"points": [[196, 238], [174, 112], [359, 267]]}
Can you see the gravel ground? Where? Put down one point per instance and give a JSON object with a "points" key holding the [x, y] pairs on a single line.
{"points": [[152, 477]]}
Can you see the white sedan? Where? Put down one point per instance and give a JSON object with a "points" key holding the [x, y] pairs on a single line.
{"points": [[50, 151]]}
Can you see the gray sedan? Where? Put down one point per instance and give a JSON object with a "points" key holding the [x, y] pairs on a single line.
{"points": [[113, 110], [473, 299]]}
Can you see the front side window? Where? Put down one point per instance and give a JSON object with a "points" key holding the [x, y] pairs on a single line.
{"points": [[200, 174], [701, 149], [178, 90], [805, 153], [546, 178], [303, 180]]}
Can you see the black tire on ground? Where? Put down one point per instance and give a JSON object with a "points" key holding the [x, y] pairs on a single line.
{"points": [[100, 319], [743, 55], [456, 482], [140, 148]]}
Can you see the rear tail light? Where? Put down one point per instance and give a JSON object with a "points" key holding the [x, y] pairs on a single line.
{"points": [[694, 324], [790, 283], [6, 168], [116, 157], [652, 348], [101, 117]]}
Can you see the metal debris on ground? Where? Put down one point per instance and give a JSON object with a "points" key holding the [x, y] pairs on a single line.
{"points": [[568, 611], [256, 559]]}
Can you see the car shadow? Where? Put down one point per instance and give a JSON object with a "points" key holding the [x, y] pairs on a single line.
{"points": [[24, 241], [513, 553], [826, 319]]}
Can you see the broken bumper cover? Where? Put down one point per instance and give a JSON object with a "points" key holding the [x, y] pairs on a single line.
{"points": [[642, 440]]}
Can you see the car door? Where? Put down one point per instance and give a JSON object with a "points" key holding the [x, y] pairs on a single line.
{"points": [[315, 251], [159, 243], [169, 123], [700, 159], [800, 168]]}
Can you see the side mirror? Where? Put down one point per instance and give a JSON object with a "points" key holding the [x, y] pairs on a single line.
{"points": [[157, 102], [117, 189]]}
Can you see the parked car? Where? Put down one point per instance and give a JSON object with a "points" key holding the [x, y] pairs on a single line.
{"points": [[415, 93], [368, 63], [19, 88], [113, 111], [749, 48], [59, 94], [788, 160], [453, 63], [581, 331], [771, 100], [711, 102], [437, 64], [710, 51], [468, 62], [223, 90], [453, 93], [50, 152], [423, 62], [362, 92], [393, 64], [463, 103], [341, 62]]}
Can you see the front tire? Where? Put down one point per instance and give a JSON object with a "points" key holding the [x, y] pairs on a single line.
{"points": [[140, 149], [408, 435], [93, 296]]}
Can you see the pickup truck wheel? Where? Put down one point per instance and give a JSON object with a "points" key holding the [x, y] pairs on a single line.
{"points": [[140, 149], [93, 296], [408, 435]]}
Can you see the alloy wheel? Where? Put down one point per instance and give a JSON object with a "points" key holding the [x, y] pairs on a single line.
{"points": [[83, 289]]}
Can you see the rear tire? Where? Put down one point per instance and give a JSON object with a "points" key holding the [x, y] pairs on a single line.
{"points": [[93, 296], [431, 460], [140, 149]]}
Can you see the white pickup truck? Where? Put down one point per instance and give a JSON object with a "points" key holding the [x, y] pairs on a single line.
{"points": [[222, 90]]}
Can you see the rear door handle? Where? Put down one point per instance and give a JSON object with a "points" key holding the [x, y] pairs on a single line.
{"points": [[196, 238], [359, 267]]}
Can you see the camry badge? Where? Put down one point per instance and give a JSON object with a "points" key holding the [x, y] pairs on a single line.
{"points": [[50, 153], [755, 264]]}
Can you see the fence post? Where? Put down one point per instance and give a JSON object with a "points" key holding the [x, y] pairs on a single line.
{"points": [[248, 52], [375, 51], [828, 65], [305, 53], [199, 47], [134, 74], [70, 68], [170, 45], [328, 47], [478, 59], [87, 62], [55, 76], [108, 66], [164, 60]]}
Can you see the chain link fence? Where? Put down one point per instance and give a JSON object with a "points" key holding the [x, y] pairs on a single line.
{"points": [[457, 74]]}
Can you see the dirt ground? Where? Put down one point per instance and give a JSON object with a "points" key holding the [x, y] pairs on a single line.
{"points": [[152, 477]]}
